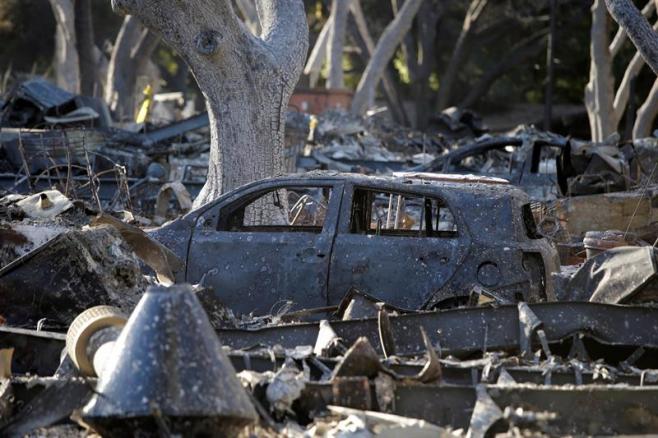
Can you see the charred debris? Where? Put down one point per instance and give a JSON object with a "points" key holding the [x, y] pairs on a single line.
{"points": [[453, 282]]}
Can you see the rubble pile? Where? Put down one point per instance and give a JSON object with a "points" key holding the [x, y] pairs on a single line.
{"points": [[50, 139], [36, 102], [456, 283], [28, 222], [338, 140], [81, 268], [343, 377]]}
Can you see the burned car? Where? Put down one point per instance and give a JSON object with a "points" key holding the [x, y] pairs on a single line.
{"points": [[413, 241], [528, 164], [546, 165]]}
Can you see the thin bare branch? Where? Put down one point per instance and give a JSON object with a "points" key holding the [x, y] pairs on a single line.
{"points": [[318, 54], [633, 69]]}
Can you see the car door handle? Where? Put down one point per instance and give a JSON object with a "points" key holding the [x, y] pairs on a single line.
{"points": [[309, 254]]}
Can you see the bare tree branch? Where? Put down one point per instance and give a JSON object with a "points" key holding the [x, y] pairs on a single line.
{"points": [[620, 37], [336, 42], [318, 54], [633, 69], [599, 92], [388, 42], [390, 91], [638, 29], [646, 114], [130, 55], [66, 54]]}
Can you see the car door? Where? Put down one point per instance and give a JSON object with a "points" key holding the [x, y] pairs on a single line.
{"points": [[398, 246], [257, 262]]}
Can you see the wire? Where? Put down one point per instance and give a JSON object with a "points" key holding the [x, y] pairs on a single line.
{"points": [[637, 207]]}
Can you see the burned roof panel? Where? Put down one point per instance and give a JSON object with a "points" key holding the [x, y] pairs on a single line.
{"points": [[43, 94]]}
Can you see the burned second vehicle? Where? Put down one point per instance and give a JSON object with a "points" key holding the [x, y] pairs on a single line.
{"points": [[415, 242], [545, 165]]}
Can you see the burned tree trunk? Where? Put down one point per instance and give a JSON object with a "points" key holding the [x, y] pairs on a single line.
{"points": [[419, 56], [246, 80], [599, 92], [638, 29], [448, 78], [388, 42], [336, 42], [84, 30], [361, 35], [130, 55], [67, 72]]}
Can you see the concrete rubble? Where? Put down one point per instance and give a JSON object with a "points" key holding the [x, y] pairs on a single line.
{"points": [[535, 313]]}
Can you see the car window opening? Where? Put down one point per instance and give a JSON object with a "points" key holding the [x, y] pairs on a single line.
{"points": [[394, 214], [296, 209]]}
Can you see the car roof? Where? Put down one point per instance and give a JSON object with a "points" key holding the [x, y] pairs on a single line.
{"points": [[472, 184]]}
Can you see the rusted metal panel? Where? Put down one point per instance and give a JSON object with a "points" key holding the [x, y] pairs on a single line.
{"points": [[596, 410], [466, 331], [41, 402], [38, 353], [35, 352]]}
